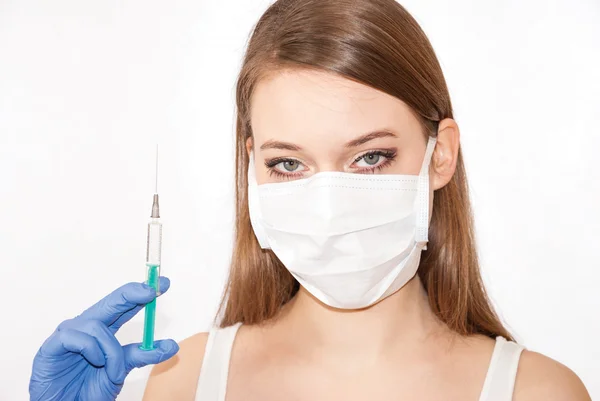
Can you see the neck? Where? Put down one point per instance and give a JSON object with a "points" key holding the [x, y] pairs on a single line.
{"points": [[399, 321]]}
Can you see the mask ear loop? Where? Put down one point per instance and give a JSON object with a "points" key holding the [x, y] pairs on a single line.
{"points": [[254, 206], [422, 229]]}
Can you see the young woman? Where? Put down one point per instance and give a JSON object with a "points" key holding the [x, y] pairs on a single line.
{"points": [[339, 289], [354, 273]]}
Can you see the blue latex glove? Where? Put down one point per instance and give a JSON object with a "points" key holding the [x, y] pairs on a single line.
{"points": [[82, 359]]}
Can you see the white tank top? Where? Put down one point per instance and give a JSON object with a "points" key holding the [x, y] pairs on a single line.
{"points": [[498, 385]]}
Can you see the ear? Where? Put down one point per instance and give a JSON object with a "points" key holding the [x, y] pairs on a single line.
{"points": [[446, 153], [249, 145]]}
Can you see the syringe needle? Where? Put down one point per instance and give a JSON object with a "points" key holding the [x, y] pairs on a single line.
{"points": [[155, 211]]}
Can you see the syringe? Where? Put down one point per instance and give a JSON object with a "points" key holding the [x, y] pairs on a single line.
{"points": [[153, 247]]}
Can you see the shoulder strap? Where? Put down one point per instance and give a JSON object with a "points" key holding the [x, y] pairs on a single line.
{"points": [[212, 382], [500, 380]]}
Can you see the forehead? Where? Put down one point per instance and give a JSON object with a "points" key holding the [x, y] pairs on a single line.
{"points": [[306, 104]]}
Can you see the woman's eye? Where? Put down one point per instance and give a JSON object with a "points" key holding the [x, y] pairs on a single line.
{"points": [[371, 159], [375, 160], [284, 167], [290, 165]]}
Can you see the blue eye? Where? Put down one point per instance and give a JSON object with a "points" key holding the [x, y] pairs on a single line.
{"points": [[284, 167], [290, 165], [371, 159], [375, 159]]}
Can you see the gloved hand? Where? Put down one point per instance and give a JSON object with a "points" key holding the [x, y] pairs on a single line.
{"points": [[82, 359]]}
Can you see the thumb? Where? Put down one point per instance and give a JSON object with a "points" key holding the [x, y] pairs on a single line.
{"points": [[136, 358]]}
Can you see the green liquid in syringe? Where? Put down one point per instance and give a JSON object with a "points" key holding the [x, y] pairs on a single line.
{"points": [[150, 311]]}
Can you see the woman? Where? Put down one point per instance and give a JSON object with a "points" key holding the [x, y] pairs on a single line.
{"points": [[354, 273]]}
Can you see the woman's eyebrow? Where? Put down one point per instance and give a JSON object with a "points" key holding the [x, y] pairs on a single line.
{"points": [[272, 144], [369, 137]]}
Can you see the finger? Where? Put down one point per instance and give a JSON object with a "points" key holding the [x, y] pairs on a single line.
{"points": [[113, 352], [70, 340], [164, 284], [136, 358], [122, 300]]}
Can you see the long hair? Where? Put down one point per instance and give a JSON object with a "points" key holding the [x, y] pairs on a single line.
{"points": [[379, 44]]}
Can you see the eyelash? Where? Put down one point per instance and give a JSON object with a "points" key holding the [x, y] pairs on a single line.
{"points": [[389, 155]]}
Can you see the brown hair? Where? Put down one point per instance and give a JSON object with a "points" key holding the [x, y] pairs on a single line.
{"points": [[379, 44]]}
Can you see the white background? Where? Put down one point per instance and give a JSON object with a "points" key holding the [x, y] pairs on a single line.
{"points": [[88, 88]]}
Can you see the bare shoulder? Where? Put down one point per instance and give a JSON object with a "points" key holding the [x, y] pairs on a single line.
{"points": [[543, 378], [177, 378]]}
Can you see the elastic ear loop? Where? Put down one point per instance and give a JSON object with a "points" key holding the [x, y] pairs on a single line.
{"points": [[253, 206], [422, 229]]}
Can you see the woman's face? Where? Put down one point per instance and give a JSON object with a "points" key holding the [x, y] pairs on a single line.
{"points": [[305, 122]]}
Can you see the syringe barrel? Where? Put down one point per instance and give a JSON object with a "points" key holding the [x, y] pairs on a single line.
{"points": [[154, 243], [153, 249]]}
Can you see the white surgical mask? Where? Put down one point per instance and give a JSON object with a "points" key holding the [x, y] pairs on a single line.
{"points": [[349, 239]]}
